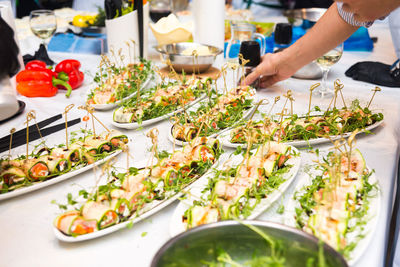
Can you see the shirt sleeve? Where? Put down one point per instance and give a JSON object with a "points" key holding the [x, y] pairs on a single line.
{"points": [[349, 17]]}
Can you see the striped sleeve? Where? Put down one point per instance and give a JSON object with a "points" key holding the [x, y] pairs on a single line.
{"points": [[349, 17]]}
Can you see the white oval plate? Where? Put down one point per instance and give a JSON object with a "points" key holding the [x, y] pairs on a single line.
{"points": [[373, 215], [176, 224], [113, 105], [135, 125], [183, 143], [45, 183], [149, 210], [226, 136]]}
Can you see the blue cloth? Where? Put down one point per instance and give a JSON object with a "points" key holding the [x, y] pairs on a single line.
{"points": [[71, 43]]}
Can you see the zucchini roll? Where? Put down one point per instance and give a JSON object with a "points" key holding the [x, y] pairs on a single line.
{"points": [[116, 138], [56, 165], [36, 170], [72, 154], [123, 115], [12, 176], [71, 223], [121, 206], [103, 214], [203, 153], [99, 144]]}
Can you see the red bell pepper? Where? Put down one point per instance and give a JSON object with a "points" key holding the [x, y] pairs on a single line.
{"points": [[68, 70], [39, 83]]}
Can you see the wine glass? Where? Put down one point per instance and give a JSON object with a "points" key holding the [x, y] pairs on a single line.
{"points": [[43, 23], [325, 62], [160, 9]]}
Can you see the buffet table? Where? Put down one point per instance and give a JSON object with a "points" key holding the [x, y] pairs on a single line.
{"points": [[27, 236]]}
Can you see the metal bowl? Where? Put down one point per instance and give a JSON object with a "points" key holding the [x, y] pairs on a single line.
{"points": [[203, 244], [180, 62]]}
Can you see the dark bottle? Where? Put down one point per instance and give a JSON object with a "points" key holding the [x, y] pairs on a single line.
{"points": [[282, 36], [250, 51]]}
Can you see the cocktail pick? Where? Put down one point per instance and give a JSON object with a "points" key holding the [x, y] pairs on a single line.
{"points": [[275, 101], [12, 131], [66, 110], [153, 135], [312, 88], [339, 86], [377, 89], [29, 117], [243, 63]]}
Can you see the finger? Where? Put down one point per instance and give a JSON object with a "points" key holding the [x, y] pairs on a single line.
{"points": [[252, 76]]}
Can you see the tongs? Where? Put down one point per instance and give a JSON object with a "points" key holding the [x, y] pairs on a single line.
{"points": [[19, 137]]}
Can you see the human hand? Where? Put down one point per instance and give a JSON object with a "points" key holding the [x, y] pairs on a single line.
{"points": [[272, 69]]}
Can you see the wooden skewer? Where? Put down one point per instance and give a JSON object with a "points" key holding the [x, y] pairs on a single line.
{"points": [[377, 89], [66, 110], [11, 135]]}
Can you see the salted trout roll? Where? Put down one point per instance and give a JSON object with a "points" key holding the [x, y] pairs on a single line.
{"points": [[103, 214], [72, 154], [123, 115], [203, 153], [71, 223], [98, 143], [214, 144], [121, 206], [56, 165], [116, 138], [12, 176], [36, 169]]}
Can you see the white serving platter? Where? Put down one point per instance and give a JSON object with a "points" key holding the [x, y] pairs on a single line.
{"points": [[135, 125], [117, 103], [226, 136], [149, 210], [183, 143], [176, 224], [372, 215], [38, 185]]}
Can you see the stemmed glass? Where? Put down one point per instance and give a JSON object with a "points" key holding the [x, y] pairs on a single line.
{"points": [[43, 23], [160, 9], [325, 62]]}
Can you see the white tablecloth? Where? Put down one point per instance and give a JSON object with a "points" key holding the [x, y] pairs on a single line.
{"points": [[26, 222]]}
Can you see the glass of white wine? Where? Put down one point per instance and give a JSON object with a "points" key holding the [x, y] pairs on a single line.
{"points": [[43, 23], [325, 62]]}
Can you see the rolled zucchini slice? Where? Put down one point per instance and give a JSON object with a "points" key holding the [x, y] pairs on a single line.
{"points": [[121, 206], [203, 153], [123, 115], [57, 165], [103, 214], [37, 170], [99, 144], [71, 223], [73, 154], [12, 176], [170, 177], [116, 138]]}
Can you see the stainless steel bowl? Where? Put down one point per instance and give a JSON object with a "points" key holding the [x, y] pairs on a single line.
{"points": [[202, 244], [180, 62]]}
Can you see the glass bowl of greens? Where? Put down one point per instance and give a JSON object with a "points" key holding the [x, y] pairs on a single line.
{"points": [[247, 243]]}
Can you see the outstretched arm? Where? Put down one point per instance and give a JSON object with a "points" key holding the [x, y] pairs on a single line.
{"points": [[326, 34]]}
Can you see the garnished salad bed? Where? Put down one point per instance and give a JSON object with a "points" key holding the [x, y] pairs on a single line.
{"points": [[114, 82], [245, 185], [332, 122], [214, 115], [130, 195], [163, 99], [50, 162], [338, 202]]}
